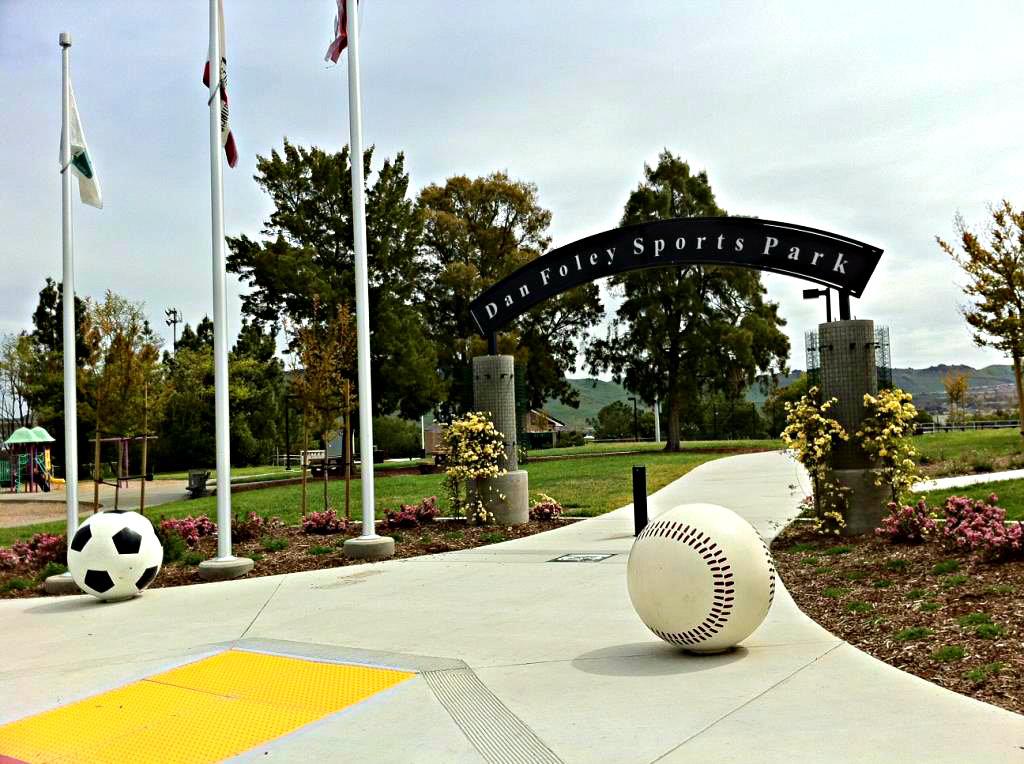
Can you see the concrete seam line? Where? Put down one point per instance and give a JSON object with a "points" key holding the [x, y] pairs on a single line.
{"points": [[498, 735], [747, 702], [262, 608]]}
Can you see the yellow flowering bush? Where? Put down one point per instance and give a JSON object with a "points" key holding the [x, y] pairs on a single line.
{"points": [[810, 435], [475, 450], [885, 436]]}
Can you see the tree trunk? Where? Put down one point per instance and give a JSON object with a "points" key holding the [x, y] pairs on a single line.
{"points": [[1020, 390], [326, 499], [305, 460], [672, 443]]}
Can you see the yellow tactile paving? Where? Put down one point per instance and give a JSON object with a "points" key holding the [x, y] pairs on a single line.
{"points": [[201, 712]]}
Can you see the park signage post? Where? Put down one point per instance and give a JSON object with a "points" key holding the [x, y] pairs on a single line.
{"points": [[828, 259]]}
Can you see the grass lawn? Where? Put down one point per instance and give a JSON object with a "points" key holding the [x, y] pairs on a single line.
{"points": [[272, 472], [969, 452], [1010, 493], [602, 448], [236, 472], [583, 486]]}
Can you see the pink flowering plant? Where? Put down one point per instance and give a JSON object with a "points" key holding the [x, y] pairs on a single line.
{"points": [[412, 515], [907, 524], [248, 528], [324, 522], [980, 526], [545, 509], [190, 529], [35, 552]]}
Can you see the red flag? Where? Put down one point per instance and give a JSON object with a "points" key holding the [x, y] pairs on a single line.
{"points": [[225, 131], [340, 34]]}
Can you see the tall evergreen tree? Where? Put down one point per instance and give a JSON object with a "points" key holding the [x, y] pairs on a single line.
{"points": [[683, 332], [307, 259]]}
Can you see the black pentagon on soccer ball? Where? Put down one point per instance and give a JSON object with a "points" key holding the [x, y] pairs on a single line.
{"points": [[81, 538], [98, 580], [146, 578], [127, 541]]}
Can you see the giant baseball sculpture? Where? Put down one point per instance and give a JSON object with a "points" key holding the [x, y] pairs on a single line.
{"points": [[700, 576]]}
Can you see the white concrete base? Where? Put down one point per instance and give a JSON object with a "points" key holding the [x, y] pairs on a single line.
{"points": [[224, 568], [61, 584], [507, 497], [370, 548]]}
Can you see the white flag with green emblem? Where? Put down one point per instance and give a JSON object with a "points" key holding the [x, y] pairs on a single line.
{"points": [[81, 159]]}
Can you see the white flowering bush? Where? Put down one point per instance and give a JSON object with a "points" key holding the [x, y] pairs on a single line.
{"points": [[810, 435], [475, 450], [885, 436]]}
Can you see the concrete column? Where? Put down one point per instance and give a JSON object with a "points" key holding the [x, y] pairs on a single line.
{"points": [[494, 393], [847, 351], [506, 497]]}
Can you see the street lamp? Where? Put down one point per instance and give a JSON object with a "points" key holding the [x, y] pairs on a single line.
{"points": [[173, 319], [814, 294], [636, 428]]}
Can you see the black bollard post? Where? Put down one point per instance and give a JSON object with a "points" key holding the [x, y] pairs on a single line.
{"points": [[639, 498]]}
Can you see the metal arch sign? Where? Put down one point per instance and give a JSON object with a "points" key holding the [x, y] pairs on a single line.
{"points": [[825, 258]]}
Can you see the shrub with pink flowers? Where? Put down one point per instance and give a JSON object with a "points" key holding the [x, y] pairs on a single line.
{"points": [[907, 524], [41, 549], [324, 522], [190, 529], [412, 515], [980, 526], [545, 509], [8, 559], [249, 528]]}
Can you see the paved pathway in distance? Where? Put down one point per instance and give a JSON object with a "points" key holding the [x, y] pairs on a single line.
{"points": [[523, 660], [962, 481]]}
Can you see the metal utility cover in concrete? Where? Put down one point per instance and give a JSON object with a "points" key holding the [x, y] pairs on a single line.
{"points": [[582, 557]]}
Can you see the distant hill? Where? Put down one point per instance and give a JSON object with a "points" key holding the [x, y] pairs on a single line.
{"points": [[991, 385]]}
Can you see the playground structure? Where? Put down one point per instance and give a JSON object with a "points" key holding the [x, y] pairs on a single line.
{"points": [[119, 468], [27, 467]]}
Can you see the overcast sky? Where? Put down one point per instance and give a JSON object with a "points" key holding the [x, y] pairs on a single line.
{"points": [[877, 121]]}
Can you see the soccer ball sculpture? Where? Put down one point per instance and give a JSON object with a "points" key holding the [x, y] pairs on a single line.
{"points": [[114, 555], [700, 576]]}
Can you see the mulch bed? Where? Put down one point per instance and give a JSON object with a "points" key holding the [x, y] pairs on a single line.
{"points": [[303, 551], [949, 618]]}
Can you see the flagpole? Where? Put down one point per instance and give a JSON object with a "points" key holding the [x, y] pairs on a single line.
{"points": [[369, 545], [224, 565], [63, 583]]}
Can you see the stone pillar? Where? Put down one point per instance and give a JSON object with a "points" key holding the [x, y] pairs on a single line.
{"points": [[506, 497], [847, 351]]}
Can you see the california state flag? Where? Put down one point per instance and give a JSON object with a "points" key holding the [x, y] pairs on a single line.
{"points": [[81, 159], [226, 136]]}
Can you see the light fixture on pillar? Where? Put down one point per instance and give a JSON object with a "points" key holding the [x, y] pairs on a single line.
{"points": [[814, 294]]}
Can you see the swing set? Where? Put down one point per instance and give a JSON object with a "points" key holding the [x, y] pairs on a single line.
{"points": [[120, 468]]}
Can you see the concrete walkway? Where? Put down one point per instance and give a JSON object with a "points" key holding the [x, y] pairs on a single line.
{"points": [[39, 507], [962, 481], [525, 660]]}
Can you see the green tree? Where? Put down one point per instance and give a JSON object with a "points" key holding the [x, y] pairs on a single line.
{"points": [[45, 374], [775, 404], [995, 285], [307, 260], [615, 422], [476, 232], [256, 399], [682, 332], [16, 360]]}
